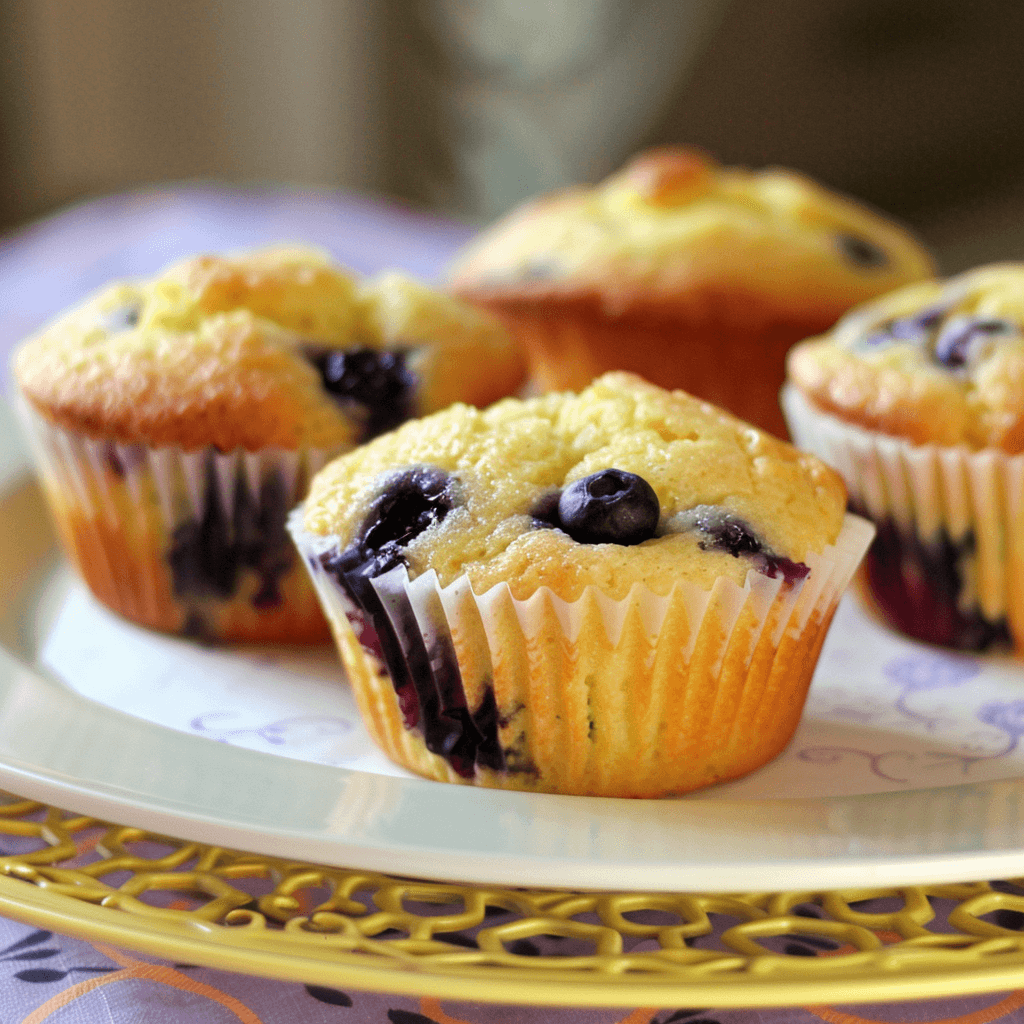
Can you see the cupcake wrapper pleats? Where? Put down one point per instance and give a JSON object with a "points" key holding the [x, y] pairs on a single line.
{"points": [[948, 563], [643, 696], [184, 542]]}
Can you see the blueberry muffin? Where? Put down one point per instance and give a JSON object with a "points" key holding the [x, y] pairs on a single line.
{"points": [[690, 274], [177, 421], [918, 398], [620, 593]]}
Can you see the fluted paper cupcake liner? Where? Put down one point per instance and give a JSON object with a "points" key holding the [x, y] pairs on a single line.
{"points": [[568, 347], [190, 542], [642, 696], [947, 565]]}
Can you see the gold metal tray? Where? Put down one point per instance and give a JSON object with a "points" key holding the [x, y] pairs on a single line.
{"points": [[214, 907]]}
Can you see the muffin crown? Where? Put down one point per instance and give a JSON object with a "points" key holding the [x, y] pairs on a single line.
{"points": [[674, 223], [623, 484], [936, 362], [273, 348]]}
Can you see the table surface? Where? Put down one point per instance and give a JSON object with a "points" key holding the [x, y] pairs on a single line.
{"points": [[43, 269]]}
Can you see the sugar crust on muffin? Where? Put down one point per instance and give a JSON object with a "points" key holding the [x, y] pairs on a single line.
{"points": [[673, 227], [222, 351], [504, 461], [936, 362]]}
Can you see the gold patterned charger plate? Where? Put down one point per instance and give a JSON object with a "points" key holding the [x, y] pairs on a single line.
{"points": [[192, 903]]}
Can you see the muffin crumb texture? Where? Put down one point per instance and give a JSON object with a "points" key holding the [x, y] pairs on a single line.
{"points": [[937, 362], [674, 224], [274, 348], [503, 467]]}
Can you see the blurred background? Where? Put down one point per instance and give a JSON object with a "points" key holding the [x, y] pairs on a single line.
{"points": [[464, 107]]}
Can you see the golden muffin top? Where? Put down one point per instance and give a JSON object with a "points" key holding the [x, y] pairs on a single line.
{"points": [[939, 362], [278, 347], [673, 222], [625, 483]]}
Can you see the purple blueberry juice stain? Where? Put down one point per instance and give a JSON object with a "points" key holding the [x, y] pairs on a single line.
{"points": [[377, 385], [718, 529], [423, 670], [209, 555], [917, 586], [354, 571], [121, 459], [369, 639]]}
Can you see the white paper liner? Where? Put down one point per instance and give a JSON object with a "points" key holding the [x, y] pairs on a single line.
{"points": [[117, 507], [697, 666], [928, 490]]}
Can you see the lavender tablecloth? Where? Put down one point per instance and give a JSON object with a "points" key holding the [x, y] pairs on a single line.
{"points": [[48, 977]]}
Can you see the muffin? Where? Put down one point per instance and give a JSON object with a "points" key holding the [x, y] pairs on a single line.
{"points": [[918, 399], [690, 274], [620, 593], [177, 421]]}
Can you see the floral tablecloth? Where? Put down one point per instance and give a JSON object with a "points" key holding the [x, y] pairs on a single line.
{"points": [[48, 977]]}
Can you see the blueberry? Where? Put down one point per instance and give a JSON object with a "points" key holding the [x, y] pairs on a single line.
{"points": [[122, 318], [730, 533], [860, 252], [545, 510], [609, 507], [422, 664], [379, 383], [923, 588], [722, 530], [916, 329], [208, 554], [409, 503], [956, 340]]}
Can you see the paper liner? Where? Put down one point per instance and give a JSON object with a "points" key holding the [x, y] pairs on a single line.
{"points": [[948, 563], [120, 510], [570, 345], [644, 696]]}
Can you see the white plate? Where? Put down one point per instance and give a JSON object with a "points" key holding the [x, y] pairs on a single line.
{"points": [[66, 749]]}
